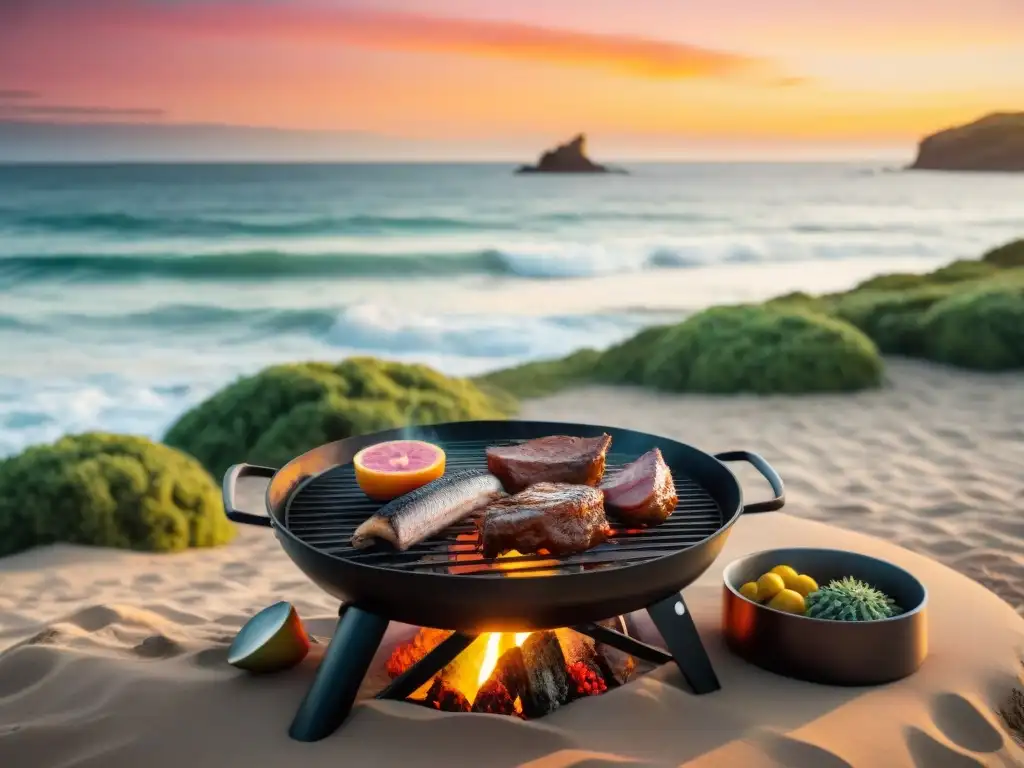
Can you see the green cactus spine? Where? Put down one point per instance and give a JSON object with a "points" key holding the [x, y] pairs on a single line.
{"points": [[850, 600]]}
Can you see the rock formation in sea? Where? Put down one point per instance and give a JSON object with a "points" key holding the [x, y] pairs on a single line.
{"points": [[570, 157], [993, 143]]}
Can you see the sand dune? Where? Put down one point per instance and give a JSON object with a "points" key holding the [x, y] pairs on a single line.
{"points": [[116, 660]]}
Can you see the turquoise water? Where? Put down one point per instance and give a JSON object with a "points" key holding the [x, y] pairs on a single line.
{"points": [[129, 292]]}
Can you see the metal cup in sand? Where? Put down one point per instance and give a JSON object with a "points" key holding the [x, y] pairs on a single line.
{"points": [[271, 641]]}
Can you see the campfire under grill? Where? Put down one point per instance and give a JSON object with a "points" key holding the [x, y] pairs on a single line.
{"points": [[325, 510], [314, 506]]}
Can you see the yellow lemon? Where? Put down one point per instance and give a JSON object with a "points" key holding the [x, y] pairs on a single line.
{"points": [[789, 601], [804, 584], [788, 574], [749, 591], [769, 585]]}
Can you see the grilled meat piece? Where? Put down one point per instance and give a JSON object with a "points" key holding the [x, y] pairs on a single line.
{"points": [[557, 517], [642, 493], [554, 459]]}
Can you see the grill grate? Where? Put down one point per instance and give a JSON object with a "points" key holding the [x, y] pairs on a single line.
{"points": [[325, 511]]}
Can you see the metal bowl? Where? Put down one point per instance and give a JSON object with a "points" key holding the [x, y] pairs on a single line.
{"points": [[822, 651]]}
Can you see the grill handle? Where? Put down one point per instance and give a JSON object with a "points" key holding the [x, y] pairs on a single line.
{"points": [[232, 477], [769, 474]]}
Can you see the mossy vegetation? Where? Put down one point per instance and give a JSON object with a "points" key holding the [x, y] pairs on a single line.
{"points": [[969, 313], [763, 350], [112, 491], [1007, 256], [760, 349], [282, 411], [891, 318], [966, 314], [543, 377], [981, 328]]}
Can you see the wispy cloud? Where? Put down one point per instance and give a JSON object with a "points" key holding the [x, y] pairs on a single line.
{"points": [[17, 94], [336, 25], [62, 110], [620, 53]]}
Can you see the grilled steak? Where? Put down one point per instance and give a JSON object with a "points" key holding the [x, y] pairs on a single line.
{"points": [[554, 459], [641, 493], [557, 517]]}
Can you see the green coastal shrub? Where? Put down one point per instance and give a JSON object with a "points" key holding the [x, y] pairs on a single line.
{"points": [[282, 411], [801, 301], [624, 362], [543, 377], [892, 319], [962, 271], [956, 272], [981, 329], [111, 491], [1006, 256], [897, 281], [762, 350]]}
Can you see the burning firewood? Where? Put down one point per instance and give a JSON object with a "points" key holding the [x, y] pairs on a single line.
{"points": [[547, 678], [407, 654], [446, 697], [495, 699], [510, 671]]}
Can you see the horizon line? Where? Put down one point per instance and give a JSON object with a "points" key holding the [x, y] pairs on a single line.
{"points": [[434, 161]]}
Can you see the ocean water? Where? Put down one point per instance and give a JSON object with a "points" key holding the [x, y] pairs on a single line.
{"points": [[130, 292]]}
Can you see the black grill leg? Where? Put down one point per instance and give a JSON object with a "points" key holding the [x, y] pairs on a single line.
{"points": [[346, 660], [674, 622]]}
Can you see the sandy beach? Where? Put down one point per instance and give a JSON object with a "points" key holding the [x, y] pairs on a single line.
{"points": [[116, 659]]}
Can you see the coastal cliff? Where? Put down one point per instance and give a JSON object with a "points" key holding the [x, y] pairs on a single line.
{"points": [[570, 157], [993, 143]]}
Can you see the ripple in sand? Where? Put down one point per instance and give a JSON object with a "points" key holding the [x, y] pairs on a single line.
{"points": [[209, 586], [289, 586], [794, 753], [963, 724], [25, 667], [927, 752], [239, 570], [94, 618], [158, 647], [579, 758]]}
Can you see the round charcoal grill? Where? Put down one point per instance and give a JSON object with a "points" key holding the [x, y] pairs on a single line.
{"points": [[324, 512], [314, 505]]}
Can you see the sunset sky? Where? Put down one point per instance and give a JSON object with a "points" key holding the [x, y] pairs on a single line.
{"points": [[641, 76]]}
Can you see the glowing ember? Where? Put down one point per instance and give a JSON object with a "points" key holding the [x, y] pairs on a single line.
{"points": [[508, 673]]}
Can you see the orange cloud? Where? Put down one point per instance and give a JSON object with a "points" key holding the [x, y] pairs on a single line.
{"points": [[305, 24], [621, 54]]}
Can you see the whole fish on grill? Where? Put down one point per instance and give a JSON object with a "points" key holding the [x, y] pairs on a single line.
{"points": [[642, 493], [560, 518], [420, 514], [553, 459]]}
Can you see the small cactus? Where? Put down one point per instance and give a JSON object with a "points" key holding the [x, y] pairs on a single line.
{"points": [[850, 600]]}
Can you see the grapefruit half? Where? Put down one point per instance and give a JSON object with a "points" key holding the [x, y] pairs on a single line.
{"points": [[385, 471]]}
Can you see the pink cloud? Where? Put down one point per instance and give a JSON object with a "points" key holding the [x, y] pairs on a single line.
{"points": [[363, 27]]}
